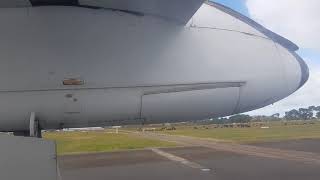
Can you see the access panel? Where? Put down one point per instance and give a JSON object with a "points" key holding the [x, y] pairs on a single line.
{"points": [[189, 105]]}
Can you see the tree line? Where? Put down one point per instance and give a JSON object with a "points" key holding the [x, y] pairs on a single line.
{"points": [[312, 112]]}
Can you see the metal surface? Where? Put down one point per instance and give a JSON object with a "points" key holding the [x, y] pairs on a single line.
{"points": [[197, 104], [34, 128], [33, 125], [27, 158], [179, 11], [129, 69], [14, 3]]}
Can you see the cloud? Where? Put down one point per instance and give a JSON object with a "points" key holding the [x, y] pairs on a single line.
{"points": [[297, 20], [306, 96]]}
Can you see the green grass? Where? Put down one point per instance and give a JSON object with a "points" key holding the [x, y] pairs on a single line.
{"points": [[89, 142], [276, 132]]}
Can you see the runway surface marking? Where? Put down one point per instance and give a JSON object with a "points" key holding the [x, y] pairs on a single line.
{"points": [[299, 156], [180, 160]]}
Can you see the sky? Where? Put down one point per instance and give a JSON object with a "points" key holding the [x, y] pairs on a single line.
{"points": [[297, 20]]}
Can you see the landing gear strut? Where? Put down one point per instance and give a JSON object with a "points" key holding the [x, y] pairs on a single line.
{"points": [[34, 128]]}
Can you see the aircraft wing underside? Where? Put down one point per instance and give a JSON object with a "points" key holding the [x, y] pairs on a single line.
{"points": [[177, 10]]}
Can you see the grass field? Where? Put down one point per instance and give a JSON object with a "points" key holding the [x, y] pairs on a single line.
{"points": [[87, 142], [102, 141], [276, 132]]}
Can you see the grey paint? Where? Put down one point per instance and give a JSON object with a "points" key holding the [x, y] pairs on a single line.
{"points": [[135, 68], [304, 69], [207, 103], [27, 158], [14, 3], [176, 10]]}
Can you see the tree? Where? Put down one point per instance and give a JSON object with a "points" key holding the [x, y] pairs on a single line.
{"points": [[219, 120], [312, 108], [292, 115], [305, 114], [277, 115], [240, 118]]}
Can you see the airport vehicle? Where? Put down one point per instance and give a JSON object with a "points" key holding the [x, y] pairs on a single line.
{"points": [[69, 64]]}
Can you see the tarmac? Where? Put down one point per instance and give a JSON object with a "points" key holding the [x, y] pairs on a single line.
{"points": [[306, 145], [199, 162]]}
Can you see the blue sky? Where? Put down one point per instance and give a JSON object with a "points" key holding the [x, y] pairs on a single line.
{"points": [[298, 21], [238, 5]]}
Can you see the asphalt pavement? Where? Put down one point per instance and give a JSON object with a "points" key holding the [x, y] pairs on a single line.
{"points": [[185, 163]]}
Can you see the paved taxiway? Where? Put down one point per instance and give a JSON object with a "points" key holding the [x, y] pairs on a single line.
{"points": [[306, 145], [187, 163], [258, 151]]}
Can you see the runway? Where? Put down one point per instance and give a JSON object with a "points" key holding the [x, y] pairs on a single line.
{"points": [[306, 145], [145, 164], [263, 151], [187, 163]]}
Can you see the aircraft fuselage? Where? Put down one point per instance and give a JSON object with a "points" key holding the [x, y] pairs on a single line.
{"points": [[79, 67]]}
